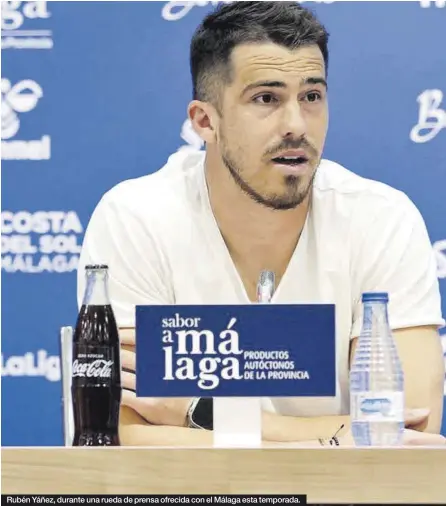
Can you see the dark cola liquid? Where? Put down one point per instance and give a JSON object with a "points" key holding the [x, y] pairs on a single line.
{"points": [[96, 383]]}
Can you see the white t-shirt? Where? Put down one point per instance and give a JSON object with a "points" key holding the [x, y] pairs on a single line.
{"points": [[162, 244]]}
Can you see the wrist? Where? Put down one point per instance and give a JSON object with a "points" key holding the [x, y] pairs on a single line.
{"points": [[182, 413]]}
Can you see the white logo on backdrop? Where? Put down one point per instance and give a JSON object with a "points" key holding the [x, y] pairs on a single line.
{"points": [[431, 117], [14, 15], [173, 11], [432, 3], [32, 364], [440, 253], [21, 97], [44, 241]]}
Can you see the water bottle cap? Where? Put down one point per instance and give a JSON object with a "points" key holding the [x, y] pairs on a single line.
{"points": [[375, 296], [96, 267]]}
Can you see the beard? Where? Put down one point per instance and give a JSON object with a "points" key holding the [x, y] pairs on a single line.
{"points": [[295, 190]]}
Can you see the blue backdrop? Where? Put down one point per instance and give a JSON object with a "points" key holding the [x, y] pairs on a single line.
{"points": [[96, 92]]}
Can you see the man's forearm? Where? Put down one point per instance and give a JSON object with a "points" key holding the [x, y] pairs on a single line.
{"points": [[180, 437], [157, 435], [135, 431], [290, 429]]}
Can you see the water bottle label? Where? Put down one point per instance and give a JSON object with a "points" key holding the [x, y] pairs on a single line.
{"points": [[382, 406], [93, 364]]}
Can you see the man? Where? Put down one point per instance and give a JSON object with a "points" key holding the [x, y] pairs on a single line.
{"points": [[201, 229]]}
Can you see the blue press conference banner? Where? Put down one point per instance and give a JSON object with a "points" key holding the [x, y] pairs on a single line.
{"points": [[96, 92], [245, 351]]}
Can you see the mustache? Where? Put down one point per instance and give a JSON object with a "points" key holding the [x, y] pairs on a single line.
{"points": [[301, 143]]}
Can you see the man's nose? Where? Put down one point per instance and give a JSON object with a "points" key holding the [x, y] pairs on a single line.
{"points": [[293, 123]]}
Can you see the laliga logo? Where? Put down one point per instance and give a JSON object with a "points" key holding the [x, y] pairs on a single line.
{"points": [[32, 365], [440, 253], [431, 117], [184, 344], [22, 97]]}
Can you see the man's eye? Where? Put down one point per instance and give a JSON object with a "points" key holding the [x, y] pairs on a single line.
{"points": [[313, 96], [265, 99]]}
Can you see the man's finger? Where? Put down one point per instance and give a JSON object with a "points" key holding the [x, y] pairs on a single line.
{"points": [[415, 438], [415, 416], [127, 336], [128, 360], [128, 380]]}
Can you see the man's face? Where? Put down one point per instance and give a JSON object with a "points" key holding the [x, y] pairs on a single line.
{"points": [[274, 118]]}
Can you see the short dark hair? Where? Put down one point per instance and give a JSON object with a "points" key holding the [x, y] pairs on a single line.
{"points": [[285, 23]]}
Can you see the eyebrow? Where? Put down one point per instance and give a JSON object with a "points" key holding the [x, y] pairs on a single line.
{"points": [[281, 84]]}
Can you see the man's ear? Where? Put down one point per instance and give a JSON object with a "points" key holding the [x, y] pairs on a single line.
{"points": [[203, 118]]}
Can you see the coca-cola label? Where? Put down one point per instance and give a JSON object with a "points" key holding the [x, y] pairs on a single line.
{"points": [[93, 364], [96, 369]]}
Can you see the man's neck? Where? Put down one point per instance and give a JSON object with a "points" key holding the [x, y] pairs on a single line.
{"points": [[256, 236]]}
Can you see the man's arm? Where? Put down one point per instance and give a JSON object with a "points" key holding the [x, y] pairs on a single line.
{"points": [[284, 429], [134, 431], [161, 421], [171, 413]]}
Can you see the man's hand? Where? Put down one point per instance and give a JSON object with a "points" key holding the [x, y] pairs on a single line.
{"points": [[290, 429], [412, 418], [410, 438]]}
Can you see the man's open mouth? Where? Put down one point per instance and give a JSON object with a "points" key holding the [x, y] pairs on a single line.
{"points": [[291, 160]]}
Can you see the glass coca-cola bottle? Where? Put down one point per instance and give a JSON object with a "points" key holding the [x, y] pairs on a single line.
{"points": [[96, 372]]}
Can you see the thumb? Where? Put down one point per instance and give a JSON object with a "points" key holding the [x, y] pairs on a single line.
{"points": [[415, 416]]}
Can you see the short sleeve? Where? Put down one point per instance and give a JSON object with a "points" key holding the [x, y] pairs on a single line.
{"points": [[138, 274], [395, 255]]}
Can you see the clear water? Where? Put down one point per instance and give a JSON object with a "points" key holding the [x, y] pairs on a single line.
{"points": [[376, 383]]}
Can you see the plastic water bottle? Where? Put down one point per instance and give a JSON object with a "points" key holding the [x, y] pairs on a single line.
{"points": [[376, 379]]}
